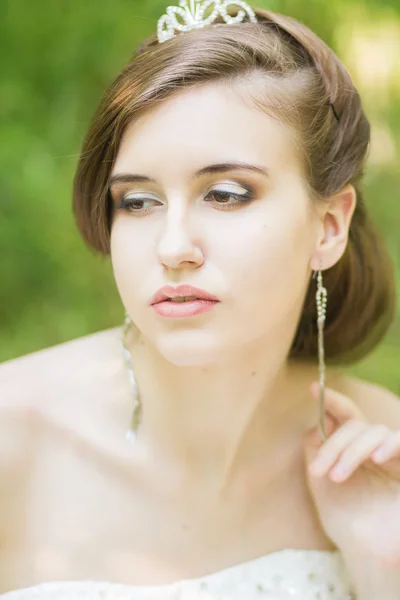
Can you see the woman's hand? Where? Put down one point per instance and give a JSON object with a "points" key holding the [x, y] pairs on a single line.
{"points": [[354, 479]]}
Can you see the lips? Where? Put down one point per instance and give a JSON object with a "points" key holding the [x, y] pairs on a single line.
{"points": [[167, 293]]}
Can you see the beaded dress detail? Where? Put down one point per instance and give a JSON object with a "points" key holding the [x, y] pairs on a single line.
{"points": [[288, 574]]}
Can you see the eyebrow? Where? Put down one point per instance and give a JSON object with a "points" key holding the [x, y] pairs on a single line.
{"points": [[209, 170]]}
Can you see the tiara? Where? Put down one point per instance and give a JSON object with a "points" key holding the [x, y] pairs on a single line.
{"points": [[192, 17]]}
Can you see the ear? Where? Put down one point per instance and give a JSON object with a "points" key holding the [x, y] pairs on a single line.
{"points": [[335, 222]]}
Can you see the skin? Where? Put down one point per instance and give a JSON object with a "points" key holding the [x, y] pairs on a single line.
{"points": [[257, 258], [219, 454]]}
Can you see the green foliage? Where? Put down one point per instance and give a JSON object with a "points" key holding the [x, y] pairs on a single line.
{"points": [[57, 58]]}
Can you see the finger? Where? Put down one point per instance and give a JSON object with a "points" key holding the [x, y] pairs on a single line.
{"points": [[330, 451], [389, 449], [339, 406], [358, 451]]}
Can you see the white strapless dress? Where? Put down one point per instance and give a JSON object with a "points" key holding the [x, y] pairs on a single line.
{"points": [[288, 574]]}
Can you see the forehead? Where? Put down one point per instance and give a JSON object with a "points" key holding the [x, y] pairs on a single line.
{"points": [[205, 124]]}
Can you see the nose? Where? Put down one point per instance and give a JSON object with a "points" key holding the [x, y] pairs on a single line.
{"points": [[176, 247]]}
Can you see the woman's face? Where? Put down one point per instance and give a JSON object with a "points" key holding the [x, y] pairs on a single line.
{"points": [[244, 235]]}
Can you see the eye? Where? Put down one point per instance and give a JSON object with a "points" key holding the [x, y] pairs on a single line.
{"points": [[226, 199], [138, 204], [222, 199]]}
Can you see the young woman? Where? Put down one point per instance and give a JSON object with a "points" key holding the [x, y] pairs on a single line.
{"points": [[222, 173]]}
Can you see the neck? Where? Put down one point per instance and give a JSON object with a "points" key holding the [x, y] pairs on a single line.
{"points": [[212, 421]]}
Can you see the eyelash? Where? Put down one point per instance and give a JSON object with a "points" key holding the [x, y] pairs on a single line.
{"points": [[240, 199]]}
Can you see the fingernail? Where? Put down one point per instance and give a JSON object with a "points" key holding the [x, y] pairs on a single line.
{"points": [[378, 454], [339, 471]]}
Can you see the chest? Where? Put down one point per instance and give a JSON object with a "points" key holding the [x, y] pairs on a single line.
{"points": [[86, 517]]}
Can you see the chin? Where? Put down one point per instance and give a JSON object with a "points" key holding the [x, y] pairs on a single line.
{"points": [[190, 348]]}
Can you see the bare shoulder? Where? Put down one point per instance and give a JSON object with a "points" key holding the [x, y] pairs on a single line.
{"points": [[40, 383], [379, 404], [27, 381], [43, 392], [58, 389]]}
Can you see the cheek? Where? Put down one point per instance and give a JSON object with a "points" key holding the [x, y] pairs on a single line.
{"points": [[265, 260], [127, 257], [263, 246]]}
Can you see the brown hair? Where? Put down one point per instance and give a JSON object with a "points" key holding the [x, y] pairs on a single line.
{"points": [[323, 106]]}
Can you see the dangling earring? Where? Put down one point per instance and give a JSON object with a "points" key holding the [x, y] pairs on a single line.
{"points": [[132, 432], [321, 301]]}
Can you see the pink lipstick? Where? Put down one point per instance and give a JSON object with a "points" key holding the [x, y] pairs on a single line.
{"points": [[182, 301]]}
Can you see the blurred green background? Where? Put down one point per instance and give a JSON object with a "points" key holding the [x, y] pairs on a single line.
{"points": [[57, 57]]}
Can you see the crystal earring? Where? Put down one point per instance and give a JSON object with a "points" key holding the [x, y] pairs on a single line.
{"points": [[321, 302], [132, 432]]}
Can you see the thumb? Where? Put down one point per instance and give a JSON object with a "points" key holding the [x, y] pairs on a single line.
{"points": [[311, 444], [312, 439], [321, 489]]}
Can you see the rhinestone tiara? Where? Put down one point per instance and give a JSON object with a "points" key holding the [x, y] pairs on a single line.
{"points": [[191, 13]]}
